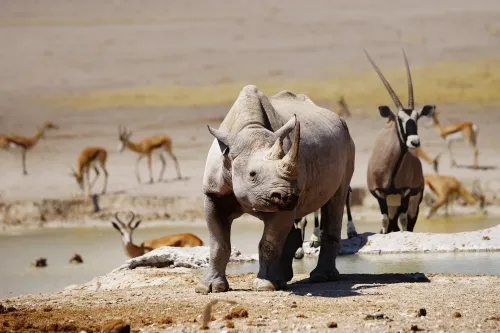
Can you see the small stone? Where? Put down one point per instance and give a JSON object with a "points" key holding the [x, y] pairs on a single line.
{"points": [[422, 312], [293, 306], [308, 327], [275, 312], [301, 315], [414, 328], [331, 324], [486, 238], [308, 294], [457, 314]]}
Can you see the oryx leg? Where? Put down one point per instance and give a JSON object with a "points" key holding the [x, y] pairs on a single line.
{"points": [[331, 225], [385, 217], [277, 248], [300, 226], [413, 209], [351, 228], [392, 215], [316, 235], [403, 213], [219, 215]]}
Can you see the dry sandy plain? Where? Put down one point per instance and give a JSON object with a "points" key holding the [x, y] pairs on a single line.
{"points": [[174, 67]]}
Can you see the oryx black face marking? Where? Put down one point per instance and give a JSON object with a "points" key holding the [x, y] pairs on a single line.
{"points": [[407, 120]]}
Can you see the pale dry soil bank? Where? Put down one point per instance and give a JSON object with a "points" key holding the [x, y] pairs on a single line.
{"points": [[165, 301]]}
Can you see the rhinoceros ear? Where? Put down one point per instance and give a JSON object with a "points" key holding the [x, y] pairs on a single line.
{"points": [[223, 139]]}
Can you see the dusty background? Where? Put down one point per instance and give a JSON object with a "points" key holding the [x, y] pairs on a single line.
{"points": [[89, 66]]}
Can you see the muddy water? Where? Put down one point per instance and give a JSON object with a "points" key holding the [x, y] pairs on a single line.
{"points": [[102, 251]]}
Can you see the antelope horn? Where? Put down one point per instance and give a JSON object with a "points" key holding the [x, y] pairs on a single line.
{"points": [[117, 218], [131, 219], [391, 92], [276, 152], [289, 165], [411, 102]]}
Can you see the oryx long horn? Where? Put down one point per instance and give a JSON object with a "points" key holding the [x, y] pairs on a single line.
{"points": [[395, 98], [411, 102]]}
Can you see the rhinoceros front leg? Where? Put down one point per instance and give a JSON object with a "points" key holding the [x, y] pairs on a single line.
{"points": [[275, 263], [219, 212], [331, 222]]}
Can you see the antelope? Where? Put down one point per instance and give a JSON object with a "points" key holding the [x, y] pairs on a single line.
{"points": [[448, 188], [90, 157], [432, 161], [395, 176], [126, 230], [301, 224], [344, 109], [466, 130], [25, 143], [146, 147]]}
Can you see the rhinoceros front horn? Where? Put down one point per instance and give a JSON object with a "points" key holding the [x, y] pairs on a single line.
{"points": [[289, 165]]}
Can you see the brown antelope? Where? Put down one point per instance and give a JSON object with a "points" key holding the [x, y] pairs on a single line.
{"points": [[25, 143], [146, 147], [447, 189], [395, 175], [126, 230], [460, 131], [91, 157], [432, 161], [344, 109]]}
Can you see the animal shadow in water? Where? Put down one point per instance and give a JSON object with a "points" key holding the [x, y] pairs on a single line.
{"points": [[483, 168], [350, 284]]}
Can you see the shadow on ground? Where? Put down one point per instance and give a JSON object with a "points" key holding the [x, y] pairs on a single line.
{"points": [[351, 284]]}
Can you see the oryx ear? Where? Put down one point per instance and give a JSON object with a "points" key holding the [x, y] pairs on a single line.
{"points": [[385, 112], [427, 111], [223, 138]]}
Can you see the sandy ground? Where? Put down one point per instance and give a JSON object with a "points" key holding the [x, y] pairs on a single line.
{"points": [[166, 302]]}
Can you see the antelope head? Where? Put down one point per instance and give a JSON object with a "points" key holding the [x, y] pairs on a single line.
{"points": [[126, 229], [405, 118], [124, 136], [78, 177]]}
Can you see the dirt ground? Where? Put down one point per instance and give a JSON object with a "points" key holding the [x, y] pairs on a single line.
{"points": [[366, 303]]}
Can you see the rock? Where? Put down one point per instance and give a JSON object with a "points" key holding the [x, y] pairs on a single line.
{"points": [[116, 326], [331, 324], [457, 314], [376, 316], [415, 328], [422, 312], [40, 262], [237, 312], [76, 259]]}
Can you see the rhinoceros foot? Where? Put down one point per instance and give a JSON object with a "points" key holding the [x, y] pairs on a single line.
{"points": [[322, 275], [214, 285], [266, 285]]}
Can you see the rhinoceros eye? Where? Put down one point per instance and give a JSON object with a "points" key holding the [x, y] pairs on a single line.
{"points": [[253, 174]]}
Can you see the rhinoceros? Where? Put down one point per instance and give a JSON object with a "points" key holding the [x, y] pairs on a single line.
{"points": [[277, 158]]}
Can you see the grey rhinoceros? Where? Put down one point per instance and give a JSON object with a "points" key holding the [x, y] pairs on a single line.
{"points": [[256, 165]]}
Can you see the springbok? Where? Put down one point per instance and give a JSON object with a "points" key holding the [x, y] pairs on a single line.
{"points": [[432, 161], [447, 189], [126, 230], [90, 157], [460, 131], [25, 143], [395, 176], [316, 236], [146, 147]]}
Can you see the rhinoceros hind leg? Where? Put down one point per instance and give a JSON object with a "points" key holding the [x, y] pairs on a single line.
{"points": [[331, 222]]}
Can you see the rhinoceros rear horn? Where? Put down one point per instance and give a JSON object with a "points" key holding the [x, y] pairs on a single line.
{"points": [[289, 165], [222, 137]]}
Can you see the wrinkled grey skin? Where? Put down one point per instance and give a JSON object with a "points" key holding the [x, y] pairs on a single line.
{"points": [[244, 174]]}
